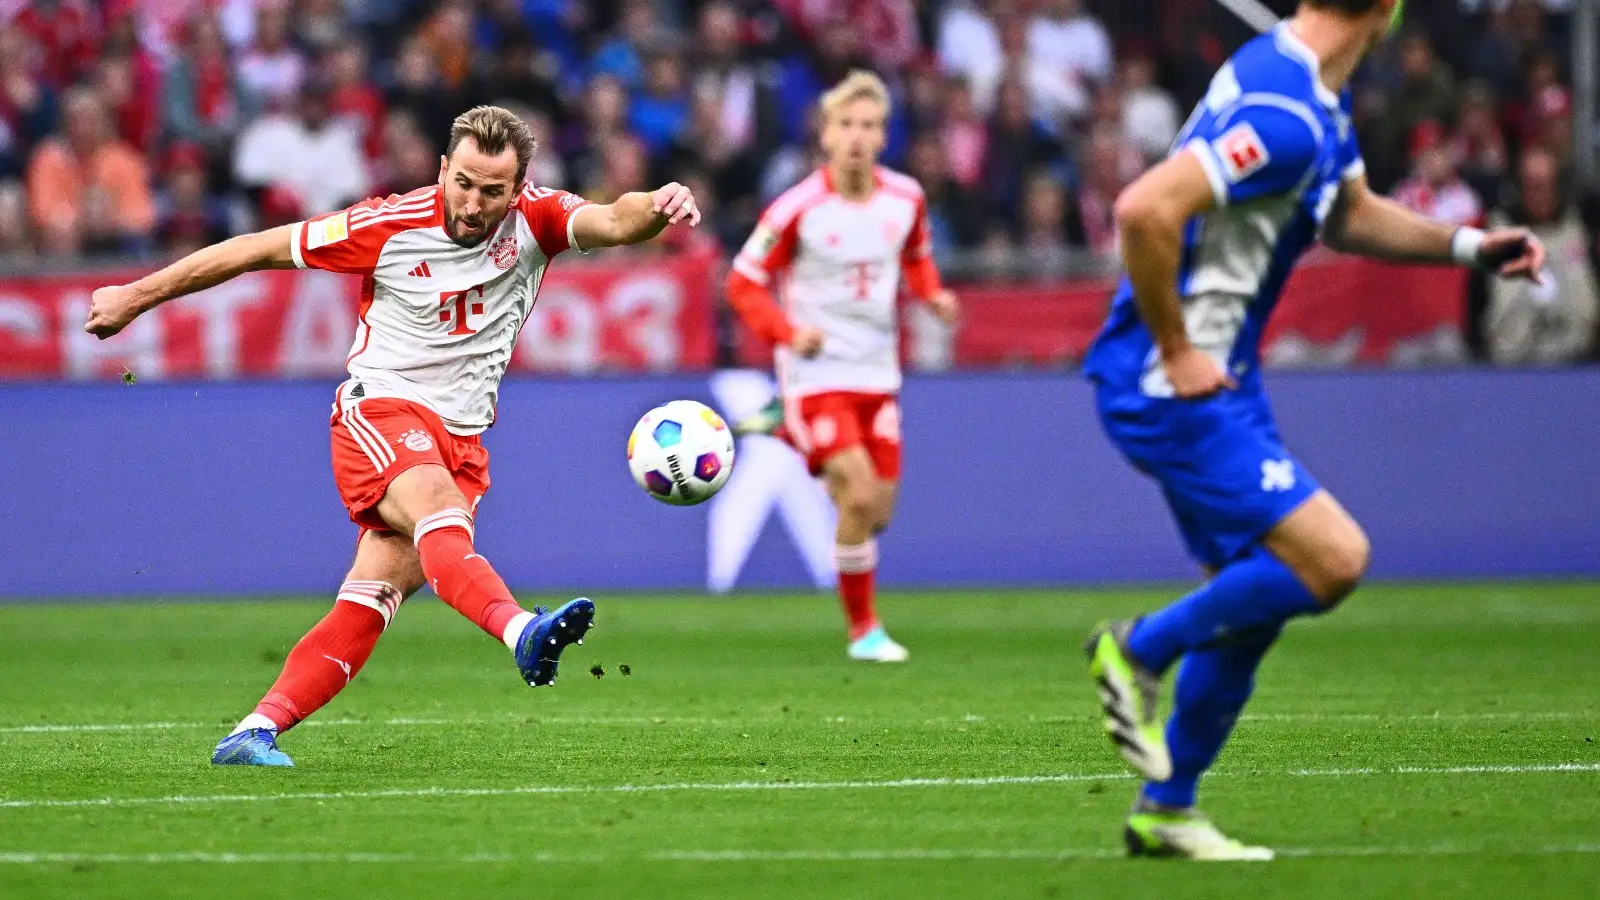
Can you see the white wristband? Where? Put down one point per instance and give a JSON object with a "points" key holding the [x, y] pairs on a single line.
{"points": [[1465, 245]]}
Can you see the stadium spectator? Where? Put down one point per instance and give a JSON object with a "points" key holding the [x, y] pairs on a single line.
{"points": [[86, 188], [314, 157], [604, 111], [272, 70], [888, 28], [964, 133], [129, 81], [517, 73], [27, 104], [1435, 188], [66, 32], [1480, 143], [623, 164], [1425, 91], [1552, 321], [1017, 144], [1044, 238], [449, 39], [201, 97], [419, 91], [319, 25], [1109, 163], [969, 40], [408, 159], [352, 97], [745, 104], [956, 216], [807, 73], [15, 244], [660, 112], [187, 216], [622, 56], [1065, 36], [1150, 115], [1059, 94]]}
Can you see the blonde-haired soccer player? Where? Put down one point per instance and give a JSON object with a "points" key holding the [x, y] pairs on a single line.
{"points": [[820, 278]]}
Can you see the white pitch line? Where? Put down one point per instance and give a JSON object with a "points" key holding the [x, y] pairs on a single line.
{"points": [[969, 719], [732, 786], [910, 854]]}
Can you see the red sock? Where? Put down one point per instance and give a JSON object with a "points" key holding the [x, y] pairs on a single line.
{"points": [[459, 575], [331, 653], [857, 566]]}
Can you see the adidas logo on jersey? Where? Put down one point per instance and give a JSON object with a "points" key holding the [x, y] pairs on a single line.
{"points": [[421, 271]]}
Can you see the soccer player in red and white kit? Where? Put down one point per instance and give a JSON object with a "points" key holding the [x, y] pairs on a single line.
{"points": [[449, 274], [833, 249]]}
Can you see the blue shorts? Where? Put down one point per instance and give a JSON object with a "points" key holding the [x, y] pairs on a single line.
{"points": [[1220, 464]]}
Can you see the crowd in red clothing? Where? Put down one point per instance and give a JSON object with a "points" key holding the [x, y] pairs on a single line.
{"points": [[153, 126]]}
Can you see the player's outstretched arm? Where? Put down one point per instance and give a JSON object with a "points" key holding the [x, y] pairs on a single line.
{"points": [[112, 308], [1369, 225], [1151, 214], [637, 216]]}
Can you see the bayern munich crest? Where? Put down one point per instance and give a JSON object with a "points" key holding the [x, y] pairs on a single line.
{"points": [[504, 252], [417, 441]]}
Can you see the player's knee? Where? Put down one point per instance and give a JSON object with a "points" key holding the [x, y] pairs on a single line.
{"points": [[1343, 566], [860, 502]]}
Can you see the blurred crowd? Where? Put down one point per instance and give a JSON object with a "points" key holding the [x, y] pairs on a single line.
{"points": [[155, 126]]}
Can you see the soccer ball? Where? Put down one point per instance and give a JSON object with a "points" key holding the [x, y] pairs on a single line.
{"points": [[681, 452]]}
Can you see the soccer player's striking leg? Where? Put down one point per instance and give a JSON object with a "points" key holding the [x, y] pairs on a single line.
{"points": [[385, 572], [425, 503], [864, 501]]}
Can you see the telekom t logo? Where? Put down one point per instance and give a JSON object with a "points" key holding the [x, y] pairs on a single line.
{"points": [[457, 305]]}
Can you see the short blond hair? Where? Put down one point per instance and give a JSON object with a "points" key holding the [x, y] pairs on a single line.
{"points": [[860, 84], [493, 129]]}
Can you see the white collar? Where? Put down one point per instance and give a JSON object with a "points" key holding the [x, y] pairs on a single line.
{"points": [[1291, 44]]}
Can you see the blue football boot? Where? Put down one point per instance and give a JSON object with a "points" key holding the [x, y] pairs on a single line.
{"points": [[252, 747], [542, 640]]}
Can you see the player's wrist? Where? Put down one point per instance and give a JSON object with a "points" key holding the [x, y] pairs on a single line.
{"points": [[1173, 347], [1466, 246]]}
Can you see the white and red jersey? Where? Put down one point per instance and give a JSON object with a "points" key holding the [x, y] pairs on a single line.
{"points": [[438, 320], [835, 265]]}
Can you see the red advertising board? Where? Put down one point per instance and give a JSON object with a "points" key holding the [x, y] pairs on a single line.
{"points": [[631, 313], [1333, 311]]}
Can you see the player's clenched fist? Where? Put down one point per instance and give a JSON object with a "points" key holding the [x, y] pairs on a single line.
{"points": [[110, 310], [946, 306], [676, 203], [807, 342]]}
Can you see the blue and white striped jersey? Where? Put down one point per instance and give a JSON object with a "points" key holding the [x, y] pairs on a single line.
{"points": [[1276, 144]]}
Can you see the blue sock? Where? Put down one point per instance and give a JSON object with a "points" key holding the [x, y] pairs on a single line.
{"points": [[1213, 685], [1255, 592]]}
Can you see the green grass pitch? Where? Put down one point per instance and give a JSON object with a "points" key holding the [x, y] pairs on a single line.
{"points": [[1431, 741]]}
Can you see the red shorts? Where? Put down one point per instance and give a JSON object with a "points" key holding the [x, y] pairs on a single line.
{"points": [[375, 440], [822, 425]]}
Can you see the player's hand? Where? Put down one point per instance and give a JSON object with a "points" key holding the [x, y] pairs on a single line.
{"points": [[1194, 374], [1513, 253], [806, 341], [110, 310], [675, 202], [946, 306]]}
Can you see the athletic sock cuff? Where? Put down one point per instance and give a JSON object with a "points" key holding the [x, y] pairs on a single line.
{"points": [[854, 559], [444, 518], [379, 595]]}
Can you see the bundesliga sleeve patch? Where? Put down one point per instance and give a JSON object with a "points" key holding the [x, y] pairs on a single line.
{"points": [[761, 242], [1241, 151], [327, 231]]}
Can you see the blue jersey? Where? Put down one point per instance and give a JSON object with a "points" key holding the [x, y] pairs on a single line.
{"points": [[1276, 144]]}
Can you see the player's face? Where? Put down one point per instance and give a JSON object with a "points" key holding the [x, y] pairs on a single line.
{"points": [[478, 189], [854, 134]]}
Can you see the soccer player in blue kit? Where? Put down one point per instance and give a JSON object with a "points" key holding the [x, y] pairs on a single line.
{"points": [[1266, 164]]}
